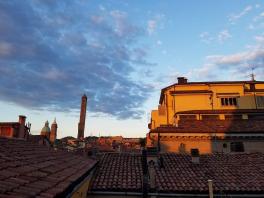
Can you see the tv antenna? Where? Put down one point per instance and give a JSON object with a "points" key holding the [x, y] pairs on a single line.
{"points": [[252, 75]]}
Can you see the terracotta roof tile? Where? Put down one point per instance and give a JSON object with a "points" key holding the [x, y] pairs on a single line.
{"points": [[218, 111], [31, 170], [229, 172], [118, 172], [221, 126]]}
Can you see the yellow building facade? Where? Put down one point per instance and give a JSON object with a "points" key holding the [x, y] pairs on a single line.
{"points": [[196, 114], [184, 96]]}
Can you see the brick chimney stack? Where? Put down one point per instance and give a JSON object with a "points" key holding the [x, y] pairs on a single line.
{"points": [[22, 128], [22, 120], [182, 80], [81, 125]]}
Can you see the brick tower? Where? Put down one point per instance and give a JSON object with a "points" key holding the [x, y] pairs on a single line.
{"points": [[82, 118], [53, 132]]}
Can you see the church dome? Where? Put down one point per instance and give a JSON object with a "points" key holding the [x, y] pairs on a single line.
{"points": [[46, 128]]}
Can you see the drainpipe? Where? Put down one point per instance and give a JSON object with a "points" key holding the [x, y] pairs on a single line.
{"points": [[167, 109], [158, 141], [255, 100]]}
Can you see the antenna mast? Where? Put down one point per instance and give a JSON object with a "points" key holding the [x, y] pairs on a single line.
{"points": [[252, 75]]}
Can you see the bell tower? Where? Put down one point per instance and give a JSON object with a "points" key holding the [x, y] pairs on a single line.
{"points": [[81, 124], [53, 132]]}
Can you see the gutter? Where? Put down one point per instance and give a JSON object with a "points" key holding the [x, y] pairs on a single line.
{"points": [[115, 193], [206, 195], [187, 195]]}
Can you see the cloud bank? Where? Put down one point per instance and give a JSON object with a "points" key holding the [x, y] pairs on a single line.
{"points": [[51, 52], [235, 66]]}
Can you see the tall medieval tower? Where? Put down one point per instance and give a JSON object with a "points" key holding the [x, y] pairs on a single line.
{"points": [[82, 117], [53, 132]]}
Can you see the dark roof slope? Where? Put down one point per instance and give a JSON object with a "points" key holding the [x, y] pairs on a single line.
{"points": [[214, 126], [224, 111], [118, 172], [31, 170], [231, 173]]}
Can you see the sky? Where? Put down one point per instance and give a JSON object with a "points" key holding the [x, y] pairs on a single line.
{"points": [[120, 53]]}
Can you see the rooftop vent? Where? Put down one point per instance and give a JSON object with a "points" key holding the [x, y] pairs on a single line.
{"points": [[182, 80], [195, 155]]}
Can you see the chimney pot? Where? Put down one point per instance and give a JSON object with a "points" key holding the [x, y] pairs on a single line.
{"points": [[182, 80]]}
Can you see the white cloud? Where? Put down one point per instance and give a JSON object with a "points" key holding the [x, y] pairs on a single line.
{"points": [[206, 37], [156, 22], [233, 66], [152, 25], [251, 27], [164, 52], [234, 17], [159, 42], [223, 35], [203, 73], [118, 14], [101, 7], [238, 58], [260, 16], [260, 39]]}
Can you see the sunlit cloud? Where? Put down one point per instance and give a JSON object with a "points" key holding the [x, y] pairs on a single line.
{"points": [[235, 17], [58, 56]]}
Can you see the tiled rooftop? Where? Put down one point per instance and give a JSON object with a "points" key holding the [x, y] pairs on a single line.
{"points": [[118, 172], [227, 111], [221, 126], [229, 172], [31, 170]]}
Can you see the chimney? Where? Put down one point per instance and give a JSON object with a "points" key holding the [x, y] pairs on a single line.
{"points": [[22, 120], [195, 156], [182, 80], [22, 127]]}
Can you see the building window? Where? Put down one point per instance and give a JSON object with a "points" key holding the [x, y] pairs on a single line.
{"points": [[229, 101], [224, 145], [237, 147]]}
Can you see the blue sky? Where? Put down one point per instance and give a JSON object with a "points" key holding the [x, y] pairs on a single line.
{"points": [[120, 53]]}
